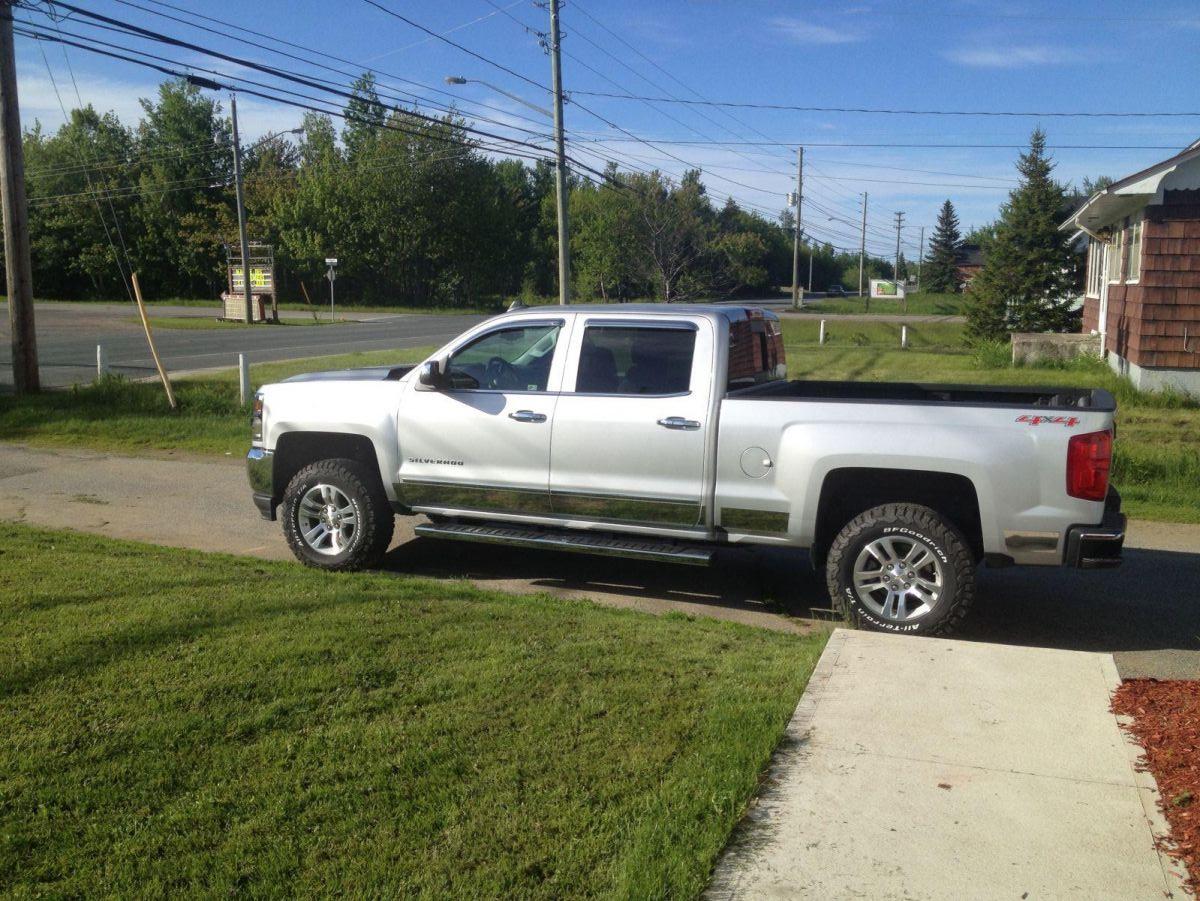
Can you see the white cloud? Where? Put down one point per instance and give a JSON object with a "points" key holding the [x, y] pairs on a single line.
{"points": [[1000, 56], [809, 33]]}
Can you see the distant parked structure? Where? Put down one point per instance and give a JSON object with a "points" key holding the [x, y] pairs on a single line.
{"points": [[968, 263], [1142, 294]]}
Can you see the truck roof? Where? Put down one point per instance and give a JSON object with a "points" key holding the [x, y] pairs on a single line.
{"points": [[732, 312]]}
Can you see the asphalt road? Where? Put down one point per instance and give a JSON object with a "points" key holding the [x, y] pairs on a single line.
{"points": [[1147, 612], [68, 333]]}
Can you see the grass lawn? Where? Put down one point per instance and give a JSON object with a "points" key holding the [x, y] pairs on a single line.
{"points": [[116, 415], [183, 723], [204, 322], [920, 304]]}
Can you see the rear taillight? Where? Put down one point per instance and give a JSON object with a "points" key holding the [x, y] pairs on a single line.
{"points": [[1089, 458]]}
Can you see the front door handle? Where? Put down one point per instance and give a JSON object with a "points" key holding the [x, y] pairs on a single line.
{"points": [[678, 422], [527, 416]]}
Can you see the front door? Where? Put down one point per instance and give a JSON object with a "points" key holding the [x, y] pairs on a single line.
{"points": [[481, 444], [631, 424]]}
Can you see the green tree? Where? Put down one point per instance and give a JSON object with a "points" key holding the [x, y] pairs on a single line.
{"points": [[1026, 282], [941, 264], [79, 183], [184, 211]]}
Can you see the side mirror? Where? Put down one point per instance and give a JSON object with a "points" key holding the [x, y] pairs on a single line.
{"points": [[430, 376]]}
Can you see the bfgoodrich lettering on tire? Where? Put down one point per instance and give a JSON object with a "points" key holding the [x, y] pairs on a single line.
{"points": [[901, 568], [336, 515]]}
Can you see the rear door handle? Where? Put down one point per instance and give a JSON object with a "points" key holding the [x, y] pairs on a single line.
{"points": [[527, 416], [678, 422]]}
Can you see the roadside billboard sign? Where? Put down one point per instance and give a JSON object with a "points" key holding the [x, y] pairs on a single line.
{"points": [[886, 289]]}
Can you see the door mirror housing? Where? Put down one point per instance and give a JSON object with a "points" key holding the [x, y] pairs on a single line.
{"points": [[431, 377]]}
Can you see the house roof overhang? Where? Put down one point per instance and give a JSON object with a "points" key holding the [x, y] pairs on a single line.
{"points": [[1128, 195]]}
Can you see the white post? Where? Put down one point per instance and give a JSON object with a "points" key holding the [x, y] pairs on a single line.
{"points": [[904, 336], [243, 379], [101, 362], [821, 338]]}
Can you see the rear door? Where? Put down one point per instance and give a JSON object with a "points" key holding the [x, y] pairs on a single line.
{"points": [[482, 444], [631, 426]]}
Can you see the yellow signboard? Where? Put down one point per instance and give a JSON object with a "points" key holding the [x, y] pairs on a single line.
{"points": [[260, 279]]}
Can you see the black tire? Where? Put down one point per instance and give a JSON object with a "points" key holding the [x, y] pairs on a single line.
{"points": [[906, 524], [375, 519]]}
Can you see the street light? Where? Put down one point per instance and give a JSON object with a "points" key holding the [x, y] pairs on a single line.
{"points": [[458, 79], [560, 181]]}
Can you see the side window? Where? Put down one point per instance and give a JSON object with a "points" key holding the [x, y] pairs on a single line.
{"points": [[635, 360], [508, 359]]}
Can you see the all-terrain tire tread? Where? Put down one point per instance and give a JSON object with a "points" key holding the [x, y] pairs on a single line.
{"points": [[962, 560], [377, 523]]}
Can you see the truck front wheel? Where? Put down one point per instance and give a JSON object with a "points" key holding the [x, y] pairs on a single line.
{"points": [[901, 568], [336, 515]]}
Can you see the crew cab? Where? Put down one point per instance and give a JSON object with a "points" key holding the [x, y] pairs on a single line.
{"points": [[665, 432]]}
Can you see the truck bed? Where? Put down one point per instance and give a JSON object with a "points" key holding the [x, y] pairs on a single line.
{"points": [[1015, 396]]}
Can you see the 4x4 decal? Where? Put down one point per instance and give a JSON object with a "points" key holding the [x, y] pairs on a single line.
{"points": [[1068, 421]]}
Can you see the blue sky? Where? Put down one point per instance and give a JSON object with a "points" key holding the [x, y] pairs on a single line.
{"points": [[944, 54]]}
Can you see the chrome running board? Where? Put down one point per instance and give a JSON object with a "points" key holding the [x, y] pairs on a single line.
{"points": [[665, 551]]}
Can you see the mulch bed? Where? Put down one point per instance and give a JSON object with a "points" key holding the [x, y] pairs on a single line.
{"points": [[1166, 722]]}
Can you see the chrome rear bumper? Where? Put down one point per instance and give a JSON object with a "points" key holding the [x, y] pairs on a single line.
{"points": [[1095, 547]]}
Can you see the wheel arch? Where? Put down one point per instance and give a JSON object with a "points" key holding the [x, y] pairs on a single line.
{"points": [[295, 450], [849, 491]]}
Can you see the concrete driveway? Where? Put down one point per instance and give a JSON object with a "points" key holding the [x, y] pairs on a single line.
{"points": [[1147, 612], [951, 769], [68, 333]]}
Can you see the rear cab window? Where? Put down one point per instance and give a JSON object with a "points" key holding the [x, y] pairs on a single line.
{"points": [[756, 353], [636, 358]]}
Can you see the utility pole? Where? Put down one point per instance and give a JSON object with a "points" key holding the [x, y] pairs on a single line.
{"points": [[896, 265], [241, 210], [921, 258], [796, 293], [862, 252], [16, 225], [560, 162], [810, 259]]}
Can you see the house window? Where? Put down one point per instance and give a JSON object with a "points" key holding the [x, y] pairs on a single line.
{"points": [[1114, 255], [1095, 268], [1133, 260]]}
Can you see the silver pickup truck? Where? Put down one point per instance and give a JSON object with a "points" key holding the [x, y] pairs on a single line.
{"points": [[666, 432]]}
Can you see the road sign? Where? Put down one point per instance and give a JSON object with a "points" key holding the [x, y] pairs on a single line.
{"points": [[330, 261]]}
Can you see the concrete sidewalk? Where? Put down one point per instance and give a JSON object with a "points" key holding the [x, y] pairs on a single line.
{"points": [[951, 769]]}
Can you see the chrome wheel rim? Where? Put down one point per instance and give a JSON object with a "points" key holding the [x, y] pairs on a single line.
{"points": [[898, 578], [328, 519]]}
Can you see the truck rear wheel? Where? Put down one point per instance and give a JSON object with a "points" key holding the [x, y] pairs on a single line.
{"points": [[901, 568], [336, 516]]}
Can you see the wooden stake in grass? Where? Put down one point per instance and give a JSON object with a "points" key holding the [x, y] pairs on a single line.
{"points": [[308, 300], [162, 373]]}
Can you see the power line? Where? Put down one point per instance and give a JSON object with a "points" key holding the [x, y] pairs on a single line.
{"points": [[897, 145], [277, 73], [391, 126], [884, 111]]}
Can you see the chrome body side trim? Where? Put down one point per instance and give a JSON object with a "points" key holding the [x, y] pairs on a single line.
{"points": [[753, 522]]}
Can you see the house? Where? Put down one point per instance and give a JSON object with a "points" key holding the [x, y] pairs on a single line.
{"points": [[968, 261], [1142, 292]]}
